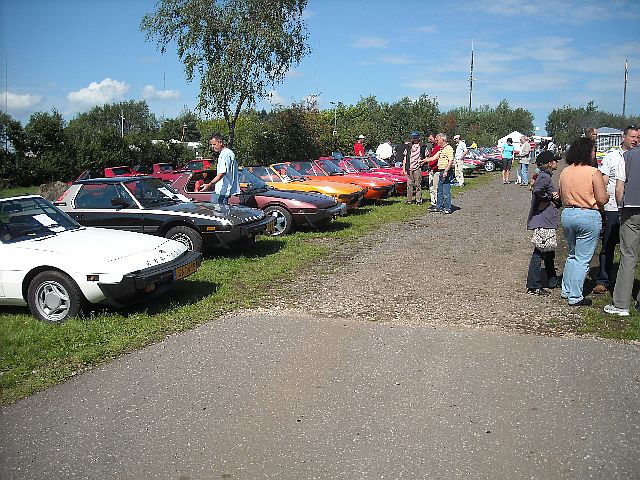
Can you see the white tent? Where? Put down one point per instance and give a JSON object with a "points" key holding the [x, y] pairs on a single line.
{"points": [[515, 136]]}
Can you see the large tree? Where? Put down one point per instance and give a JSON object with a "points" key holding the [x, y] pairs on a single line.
{"points": [[238, 48]]}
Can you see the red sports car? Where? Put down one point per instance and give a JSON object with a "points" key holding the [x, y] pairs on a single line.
{"points": [[358, 166], [290, 209]]}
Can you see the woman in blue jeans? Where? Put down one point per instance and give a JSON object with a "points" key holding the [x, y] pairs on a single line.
{"points": [[583, 194]]}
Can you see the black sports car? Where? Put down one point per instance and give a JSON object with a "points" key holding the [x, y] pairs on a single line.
{"points": [[148, 205]]}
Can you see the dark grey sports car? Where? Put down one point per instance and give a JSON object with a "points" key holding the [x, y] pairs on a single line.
{"points": [[148, 205]]}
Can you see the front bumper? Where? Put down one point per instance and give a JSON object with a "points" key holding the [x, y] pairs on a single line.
{"points": [[322, 215], [228, 237], [146, 284]]}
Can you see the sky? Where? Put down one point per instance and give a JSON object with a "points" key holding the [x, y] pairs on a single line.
{"points": [[72, 55]]}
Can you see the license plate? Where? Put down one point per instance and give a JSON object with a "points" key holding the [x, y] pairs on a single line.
{"points": [[271, 227], [186, 270]]}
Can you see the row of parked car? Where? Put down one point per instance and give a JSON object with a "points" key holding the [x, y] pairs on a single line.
{"points": [[87, 246]]}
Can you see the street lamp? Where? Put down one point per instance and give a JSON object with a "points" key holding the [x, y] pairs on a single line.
{"points": [[184, 131]]}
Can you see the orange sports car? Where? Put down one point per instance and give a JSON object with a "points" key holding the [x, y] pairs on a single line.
{"points": [[377, 188], [282, 177]]}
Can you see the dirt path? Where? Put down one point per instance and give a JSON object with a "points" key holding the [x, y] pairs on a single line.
{"points": [[467, 269]]}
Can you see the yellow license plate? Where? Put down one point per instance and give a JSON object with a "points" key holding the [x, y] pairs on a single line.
{"points": [[271, 227], [186, 270]]}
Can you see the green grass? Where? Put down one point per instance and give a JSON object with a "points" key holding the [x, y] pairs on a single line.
{"points": [[15, 191]]}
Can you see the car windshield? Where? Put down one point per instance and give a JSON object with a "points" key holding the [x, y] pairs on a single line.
{"points": [[307, 168], [253, 183], [153, 192], [378, 161], [264, 173], [330, 167], [368, 162], [359, 165], [121, 171], [28, 218], [288, 173]]}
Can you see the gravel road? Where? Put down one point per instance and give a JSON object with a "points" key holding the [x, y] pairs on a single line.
{"points": [[467, 269]]}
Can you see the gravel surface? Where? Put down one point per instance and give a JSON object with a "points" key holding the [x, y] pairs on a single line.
{"points": [[466, 269]]}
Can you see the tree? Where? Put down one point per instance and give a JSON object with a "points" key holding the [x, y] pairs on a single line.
{"points": [[238, 48], [13, 142], [48, 149]]}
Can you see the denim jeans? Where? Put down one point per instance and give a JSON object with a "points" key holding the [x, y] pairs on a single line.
{"points": [[581, 231], [524, 173], [629, 249], [217, 198], [444, 191], [610, 238], [535, 272]]}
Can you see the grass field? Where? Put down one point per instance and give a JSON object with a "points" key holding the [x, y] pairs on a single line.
{"points": [[35, 355]]}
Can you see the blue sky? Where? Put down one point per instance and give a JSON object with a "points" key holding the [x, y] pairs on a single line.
{"points": [[74, 54]]}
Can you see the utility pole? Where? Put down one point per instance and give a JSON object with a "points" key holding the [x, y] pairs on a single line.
{"points": [[471, 77], [624, 97], [121, 123]]}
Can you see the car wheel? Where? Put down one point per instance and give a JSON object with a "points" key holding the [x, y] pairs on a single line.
{"points": [[54, 297], [188, 236], [284, 220], [489, 166]]}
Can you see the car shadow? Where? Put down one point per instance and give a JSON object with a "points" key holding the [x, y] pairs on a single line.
{"points": [[263, 246]]}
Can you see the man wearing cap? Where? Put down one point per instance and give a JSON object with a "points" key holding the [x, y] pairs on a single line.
{"points": [[461, 151], [413, 160], [611, 231], [358, 147]]}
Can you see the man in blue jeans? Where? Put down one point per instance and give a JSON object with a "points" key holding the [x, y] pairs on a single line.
{"points": [[226, 182]]}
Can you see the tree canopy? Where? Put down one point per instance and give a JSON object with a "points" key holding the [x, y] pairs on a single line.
{"points": [[237, 48]]}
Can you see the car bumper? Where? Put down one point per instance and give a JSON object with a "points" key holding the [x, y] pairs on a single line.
{"points": [[321, 215], [228, 237], [146, 284]]}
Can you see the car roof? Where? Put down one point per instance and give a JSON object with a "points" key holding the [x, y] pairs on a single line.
{"points": [[112, 179]]}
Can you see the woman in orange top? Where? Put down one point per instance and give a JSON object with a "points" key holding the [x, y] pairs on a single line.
{"points": [[583, 193]]}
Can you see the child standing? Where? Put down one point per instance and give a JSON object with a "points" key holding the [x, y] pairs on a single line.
{"points": [[543, 220]]}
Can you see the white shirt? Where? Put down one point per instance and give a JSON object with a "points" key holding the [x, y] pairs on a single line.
{"points": [[229, 184], [609, 166], [460, 149], [384, 151]]}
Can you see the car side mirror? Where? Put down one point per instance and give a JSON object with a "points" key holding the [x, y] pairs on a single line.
{"points": [[118, 202]]}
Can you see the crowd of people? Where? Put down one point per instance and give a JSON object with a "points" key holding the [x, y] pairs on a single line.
{"points": [[598, 202]]}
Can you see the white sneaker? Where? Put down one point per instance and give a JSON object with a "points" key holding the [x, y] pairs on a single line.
{"points": [[613, 310]]}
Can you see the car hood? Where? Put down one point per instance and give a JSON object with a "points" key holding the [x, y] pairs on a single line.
{"points": [[100, 247], [318, 199], [229, 213]]}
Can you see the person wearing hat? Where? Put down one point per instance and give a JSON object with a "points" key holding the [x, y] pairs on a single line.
{"points": [[413, 160], [458, 163], [507, 160], [543, 220], [358, 147]]}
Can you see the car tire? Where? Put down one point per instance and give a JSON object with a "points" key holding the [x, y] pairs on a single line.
{"points": [[489, 166], [284, 220], [54, 297], [188, 236]]}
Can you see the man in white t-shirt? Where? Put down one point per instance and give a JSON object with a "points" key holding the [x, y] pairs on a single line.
{"points": [[384, 150], [226, 182], [611, 233], [458, 163]]}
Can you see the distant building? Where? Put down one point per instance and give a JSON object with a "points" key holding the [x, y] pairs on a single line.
{"points": [[608, 137]]}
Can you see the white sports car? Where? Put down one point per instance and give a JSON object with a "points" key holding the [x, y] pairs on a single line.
{"points": [[54, 265]]}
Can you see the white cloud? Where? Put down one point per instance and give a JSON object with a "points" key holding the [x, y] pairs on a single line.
{"points": [[149, 92], [107, 91], [307, 14], [293, 73], [370, 42], [21, 102], [274, 98]]}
